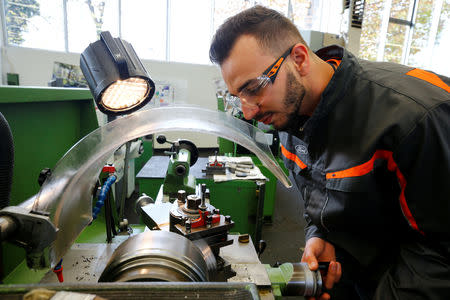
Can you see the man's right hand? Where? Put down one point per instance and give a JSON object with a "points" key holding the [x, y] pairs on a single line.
{"points": [[316, 250]]}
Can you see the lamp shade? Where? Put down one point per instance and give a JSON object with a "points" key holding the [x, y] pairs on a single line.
{"points": [[115, 75]]}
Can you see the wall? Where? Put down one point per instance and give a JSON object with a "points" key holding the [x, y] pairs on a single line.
{"points": [[193, 84]]}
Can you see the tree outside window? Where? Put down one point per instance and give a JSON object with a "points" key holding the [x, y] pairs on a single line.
{"points": [[413, 32], [18, 14]]}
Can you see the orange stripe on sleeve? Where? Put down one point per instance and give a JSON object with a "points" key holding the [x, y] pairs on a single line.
{"points": [[429, 77], [361, 169], [293, 157], [366, 167]]}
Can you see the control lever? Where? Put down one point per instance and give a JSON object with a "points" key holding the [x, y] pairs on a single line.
{"points": [[161, 139], [261, 247]]}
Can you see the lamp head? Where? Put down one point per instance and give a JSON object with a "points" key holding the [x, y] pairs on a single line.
{"points": [[115, 75]]}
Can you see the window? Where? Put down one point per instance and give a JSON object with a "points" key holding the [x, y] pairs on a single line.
{"points": [[174, 30], [86, 19], [144, 25], [190, 31], [26, 20], [413, 32]]}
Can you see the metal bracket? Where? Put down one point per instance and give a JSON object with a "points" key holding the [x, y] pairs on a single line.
{"points": [[34, 232]]}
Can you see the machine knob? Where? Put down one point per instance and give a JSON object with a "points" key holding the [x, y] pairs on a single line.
{"points": [[161, 139], [182, 196], [192, 202], [203, 188]]}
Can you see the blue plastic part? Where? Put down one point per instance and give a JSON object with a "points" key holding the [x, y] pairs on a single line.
{"points": [[103, 193], [58, 266]]}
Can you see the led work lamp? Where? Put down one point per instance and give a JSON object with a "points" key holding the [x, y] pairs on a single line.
{"points": [[117, 79]]}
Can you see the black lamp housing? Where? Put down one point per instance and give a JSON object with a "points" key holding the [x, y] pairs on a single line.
{"points": [[108, 61]]}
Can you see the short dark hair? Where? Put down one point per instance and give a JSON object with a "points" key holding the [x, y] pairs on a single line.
{"points": [[270, 28]]}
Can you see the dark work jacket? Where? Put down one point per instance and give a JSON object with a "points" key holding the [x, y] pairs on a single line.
{"points": [[373, 161]]}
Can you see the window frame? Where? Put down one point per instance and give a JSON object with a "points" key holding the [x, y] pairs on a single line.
{"points": [[409, 23]]}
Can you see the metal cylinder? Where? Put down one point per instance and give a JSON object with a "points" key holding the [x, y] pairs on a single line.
{"points": [[180, 170], [7, 227], [304, 282], [141, 202], [156, 256]]}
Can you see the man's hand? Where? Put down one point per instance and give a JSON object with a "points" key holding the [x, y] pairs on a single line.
{"points": [[316, 250]]}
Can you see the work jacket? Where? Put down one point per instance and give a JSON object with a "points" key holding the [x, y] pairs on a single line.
{"points": [[373, 161]]}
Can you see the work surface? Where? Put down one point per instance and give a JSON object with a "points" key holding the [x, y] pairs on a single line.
{"points": [[85, 263]]}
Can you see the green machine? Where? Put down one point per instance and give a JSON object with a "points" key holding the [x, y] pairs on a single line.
{"points": [[45, 123], [183, 154]]}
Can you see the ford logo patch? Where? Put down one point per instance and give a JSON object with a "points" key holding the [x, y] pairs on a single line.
{"points": [[301, 149]]}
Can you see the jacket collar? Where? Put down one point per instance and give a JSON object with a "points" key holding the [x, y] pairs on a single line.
{"points": [[335, 90]]}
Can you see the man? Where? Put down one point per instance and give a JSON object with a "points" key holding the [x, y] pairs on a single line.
{"points": [[368, 145]]}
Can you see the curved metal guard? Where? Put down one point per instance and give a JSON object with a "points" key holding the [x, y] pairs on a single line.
{"points": [[67, 194]]}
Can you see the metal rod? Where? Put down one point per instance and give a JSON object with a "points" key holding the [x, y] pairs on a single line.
{"points": [[124, 181], [261, 185], [108, 217]]}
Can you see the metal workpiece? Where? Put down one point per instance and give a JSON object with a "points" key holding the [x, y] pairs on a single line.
{"points": [[157, 256], [304, 282], [143, 201], [295, 279]]}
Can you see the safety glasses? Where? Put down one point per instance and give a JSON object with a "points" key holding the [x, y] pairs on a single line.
{"points": [[249, 94]]}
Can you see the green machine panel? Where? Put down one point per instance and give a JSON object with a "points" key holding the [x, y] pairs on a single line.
{"points": [[236, 198], [45, 124]]}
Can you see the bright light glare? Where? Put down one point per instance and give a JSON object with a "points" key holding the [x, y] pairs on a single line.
{"points": [[124, 94]]}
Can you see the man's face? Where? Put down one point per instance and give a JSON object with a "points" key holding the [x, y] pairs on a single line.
{"points": [[278, 103]]}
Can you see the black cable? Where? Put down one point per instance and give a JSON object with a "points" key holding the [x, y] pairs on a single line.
{"points": [[113, 222], [108, 218]]}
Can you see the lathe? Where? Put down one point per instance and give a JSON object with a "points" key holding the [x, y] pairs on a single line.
{"points": [[184, 251]]}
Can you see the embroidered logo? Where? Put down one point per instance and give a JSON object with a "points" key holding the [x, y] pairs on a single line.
{"points": [[301, 149]]}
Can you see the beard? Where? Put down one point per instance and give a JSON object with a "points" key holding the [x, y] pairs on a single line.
{"points": [[295, 92]]}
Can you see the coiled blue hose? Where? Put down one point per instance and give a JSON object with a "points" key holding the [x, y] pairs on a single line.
{"points": [[103, 193]]}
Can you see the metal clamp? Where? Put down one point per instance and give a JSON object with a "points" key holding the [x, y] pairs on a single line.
{"points": [[31, 230]]}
